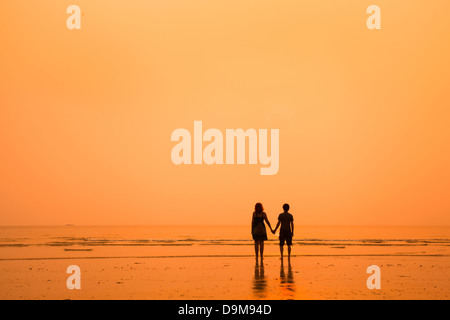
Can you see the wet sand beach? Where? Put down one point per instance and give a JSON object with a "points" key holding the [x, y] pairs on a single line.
{"points": [[126, 263]]}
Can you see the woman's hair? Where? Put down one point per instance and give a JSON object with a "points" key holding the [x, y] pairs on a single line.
{"points": [[259, 208]]}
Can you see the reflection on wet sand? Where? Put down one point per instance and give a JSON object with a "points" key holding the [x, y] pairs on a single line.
{"points": [[287, 284], [259, 281]]}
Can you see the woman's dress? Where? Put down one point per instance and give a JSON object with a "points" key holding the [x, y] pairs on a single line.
{"points": [[259, 228]]}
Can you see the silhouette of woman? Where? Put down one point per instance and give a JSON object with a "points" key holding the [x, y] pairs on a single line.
{"points": [[259, 233]]}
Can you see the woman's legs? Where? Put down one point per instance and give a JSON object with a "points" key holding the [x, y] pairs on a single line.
{"points": [[261, 248], [256, 248]]}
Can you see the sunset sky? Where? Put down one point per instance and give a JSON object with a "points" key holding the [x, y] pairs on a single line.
{"points": [[86, 115]]}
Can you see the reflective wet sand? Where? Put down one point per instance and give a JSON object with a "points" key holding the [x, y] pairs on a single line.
{"points": [[218, 263]]}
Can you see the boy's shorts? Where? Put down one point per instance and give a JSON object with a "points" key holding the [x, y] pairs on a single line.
{"points": [[285, 236]]}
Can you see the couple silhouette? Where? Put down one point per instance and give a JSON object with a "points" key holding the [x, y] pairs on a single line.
{"points": [[259, 234]]}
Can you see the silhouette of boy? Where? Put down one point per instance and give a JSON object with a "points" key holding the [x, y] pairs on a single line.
{"points": [[286, 220]]}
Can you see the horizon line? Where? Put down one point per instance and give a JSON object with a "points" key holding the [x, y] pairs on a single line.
{"points": [[217, 225]]}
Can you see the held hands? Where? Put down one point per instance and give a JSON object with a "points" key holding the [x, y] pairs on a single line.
{"points": [[273, 231]]}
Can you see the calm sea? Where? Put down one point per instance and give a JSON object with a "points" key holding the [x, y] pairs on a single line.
{"points": [[59, 242]]}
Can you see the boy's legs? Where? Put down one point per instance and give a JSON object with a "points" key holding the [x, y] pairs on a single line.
{"points": [[289, 244], [282, 240]]}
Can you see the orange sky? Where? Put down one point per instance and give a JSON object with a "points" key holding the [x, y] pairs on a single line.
{"points": [[86, 115]]}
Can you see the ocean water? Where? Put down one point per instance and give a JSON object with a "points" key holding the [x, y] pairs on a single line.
{"points": [[65, 242]]}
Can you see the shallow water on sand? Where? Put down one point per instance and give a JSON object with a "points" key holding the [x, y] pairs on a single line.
{"points": [[217, 262], [42, 242]]}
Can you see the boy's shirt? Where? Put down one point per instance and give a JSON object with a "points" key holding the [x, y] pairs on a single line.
{"points": [[285, 218]]}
